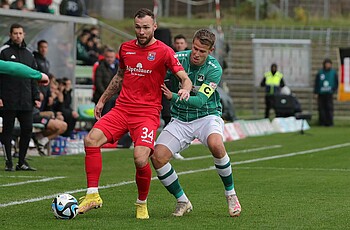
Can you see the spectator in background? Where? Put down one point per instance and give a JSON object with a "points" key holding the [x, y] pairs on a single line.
{"points": [[17, 97], [44, 67], [85, 54], [57, 99], [70, 116], [40, 56], [5, 4], [95, 31], [42, 5], [326, 84], [273, 82], [19, 5], [105, 71], [180, 43], [53, 128]]}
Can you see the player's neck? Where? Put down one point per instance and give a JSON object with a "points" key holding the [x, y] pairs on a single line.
{"points": [[153, 40]]}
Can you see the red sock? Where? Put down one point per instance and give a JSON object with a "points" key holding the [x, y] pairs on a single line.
{"points": [[143, 181], [93, 165]]}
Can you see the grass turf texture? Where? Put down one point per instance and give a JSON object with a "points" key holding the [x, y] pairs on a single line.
{"points": [[299, 192]]}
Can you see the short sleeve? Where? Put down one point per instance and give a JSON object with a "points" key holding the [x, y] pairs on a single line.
{"points": [[172, 62]]}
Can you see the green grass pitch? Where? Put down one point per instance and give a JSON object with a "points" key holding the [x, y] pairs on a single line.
{"points": [[306, 185]]}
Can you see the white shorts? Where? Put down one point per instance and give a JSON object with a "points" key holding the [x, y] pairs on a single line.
{"points": [[178, 135]]}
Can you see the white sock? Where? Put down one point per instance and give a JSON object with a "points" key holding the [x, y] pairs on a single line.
{"points": [[92, 190], [141, 201], [231, 192], [182, 198]]}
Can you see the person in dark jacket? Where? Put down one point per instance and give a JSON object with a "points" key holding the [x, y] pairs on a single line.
{"points": [[70, 116], [17, 98], [105, 71], [44, 67], [326, 84], [40, 57]]}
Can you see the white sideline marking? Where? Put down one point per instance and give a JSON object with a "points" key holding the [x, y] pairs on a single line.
{"points": [[235, 152], [32, 181], [180, 173], [22, 176], [291, 154], [294, 169]]}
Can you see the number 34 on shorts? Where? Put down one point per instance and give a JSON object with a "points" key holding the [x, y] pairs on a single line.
{"points": [[147, 135]]}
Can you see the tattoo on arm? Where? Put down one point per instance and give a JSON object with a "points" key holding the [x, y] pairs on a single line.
{"points": [[114, 86]]}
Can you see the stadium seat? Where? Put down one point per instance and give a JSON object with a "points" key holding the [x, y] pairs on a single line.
{"points": [[86, 115]]}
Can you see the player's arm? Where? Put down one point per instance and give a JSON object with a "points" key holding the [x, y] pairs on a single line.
{"points": [[16, 69], [114, 87], [204, 93], [186, 83]]}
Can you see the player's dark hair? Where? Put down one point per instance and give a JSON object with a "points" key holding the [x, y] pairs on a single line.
{"points": [[15, 26], [205, 37], [41, 41], [143, 12], [179, 36]]}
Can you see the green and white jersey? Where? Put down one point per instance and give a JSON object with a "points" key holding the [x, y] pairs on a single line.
{"points": [[205, 99]]}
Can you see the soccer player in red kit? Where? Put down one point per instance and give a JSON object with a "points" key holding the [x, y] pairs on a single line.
{"points": [[142, 69]]}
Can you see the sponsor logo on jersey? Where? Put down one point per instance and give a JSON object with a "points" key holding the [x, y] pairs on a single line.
{"points": [[213, 85], [151, 56], [130, 52], [200, 77], [138, 70]]}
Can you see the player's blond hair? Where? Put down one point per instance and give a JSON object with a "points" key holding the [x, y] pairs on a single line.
{"points": [[205, 37]]}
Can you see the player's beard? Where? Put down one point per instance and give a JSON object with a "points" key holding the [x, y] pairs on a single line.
{"points": [[144, 43]]}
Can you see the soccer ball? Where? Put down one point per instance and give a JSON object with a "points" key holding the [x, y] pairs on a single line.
{"points": [[65, 206]]}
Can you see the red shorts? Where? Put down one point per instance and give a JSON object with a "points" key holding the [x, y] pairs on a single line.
{"points": [[142, 125]]}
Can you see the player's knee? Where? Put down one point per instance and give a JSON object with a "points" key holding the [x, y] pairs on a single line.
{"points": [[217, 149], [63, 127], [90, 140], [160, 158]]}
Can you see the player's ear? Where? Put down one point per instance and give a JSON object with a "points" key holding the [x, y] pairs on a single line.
{"points": [[155, 26], [211, 49]]}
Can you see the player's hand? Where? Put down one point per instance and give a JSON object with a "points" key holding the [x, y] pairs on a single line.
{"points": [[167, 93], [44, 80], [1, 104], [184, 94], [98, 110], [75, 114], [37, 104]]}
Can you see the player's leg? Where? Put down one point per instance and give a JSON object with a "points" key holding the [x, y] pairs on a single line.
{"points": [[93, 168], [55, 128], [211, 136], [8, 123], [105, 130], [25, 119], [143, 130], [143, 180], [167, 144]]}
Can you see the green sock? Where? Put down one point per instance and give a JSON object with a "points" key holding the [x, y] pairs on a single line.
{"points": [[223, 167], [170, 180]]}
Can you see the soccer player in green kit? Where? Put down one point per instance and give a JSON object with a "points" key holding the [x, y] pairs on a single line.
{"points": [[199, 117]]}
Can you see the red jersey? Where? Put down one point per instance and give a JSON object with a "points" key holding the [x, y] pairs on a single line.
{"points": [[145, 70]]}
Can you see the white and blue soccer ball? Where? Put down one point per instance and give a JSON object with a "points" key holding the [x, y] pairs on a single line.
{"points": [[65, 206]]}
